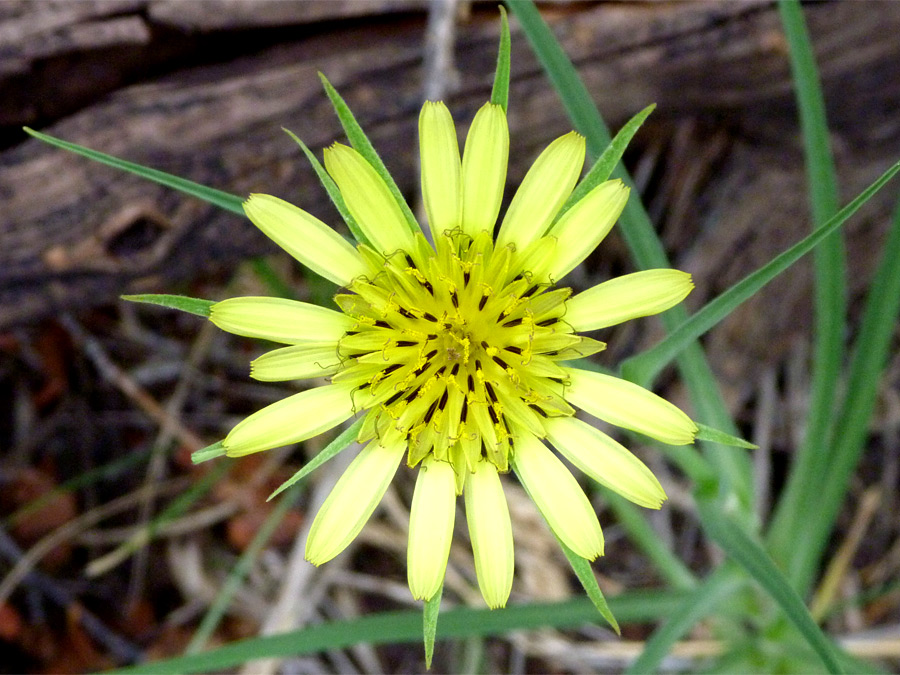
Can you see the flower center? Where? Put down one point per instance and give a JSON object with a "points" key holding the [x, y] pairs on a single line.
{"points": [[455, 349]]}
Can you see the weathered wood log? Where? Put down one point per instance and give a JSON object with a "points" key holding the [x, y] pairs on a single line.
{"points": [[202, 89]]}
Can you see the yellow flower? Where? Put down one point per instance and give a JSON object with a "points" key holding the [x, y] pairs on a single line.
{"points": [[455, 352]]}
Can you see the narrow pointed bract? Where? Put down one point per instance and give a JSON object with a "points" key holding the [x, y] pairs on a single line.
{"points": [[454, 352]]}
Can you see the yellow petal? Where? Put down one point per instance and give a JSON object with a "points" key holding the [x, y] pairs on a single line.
{"points": [[584, 226], [306, 238], [627, 405], [543, 191], [279, 320], [352, 500], [484, 169], [627, 297], [369, 199], [558, 496], [297, 362], [439, 153], [430, 527], [291, 420], [606, 461], [491, 533]]}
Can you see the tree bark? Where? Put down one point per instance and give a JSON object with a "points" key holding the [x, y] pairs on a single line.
{"points": [[202, 89]]}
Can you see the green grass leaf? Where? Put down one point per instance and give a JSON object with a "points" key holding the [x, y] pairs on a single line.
{"points": [[870, 354], [644, 367], [640, 532], [331, 188], [500, 91], [406, 627], [223, 200], [182, 303], [430, 615], [346, 437], [731, 536], [363, 146], [830, 290], [697, 605], [239, 572]]}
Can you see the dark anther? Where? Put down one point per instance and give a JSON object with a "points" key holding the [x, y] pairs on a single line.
{"points": [[409, 261], [393, 399], [531, 291], [538, 409], [405, 343], [447, 326], [545, 323], [432, 336], [412, 395], [558, 380], [430, 354], [364, 385], [471, 383], [465, 411], [484, 344], [455, 369], [513, 322], [500, 362], [514, 350], [483, 302], [455, 299], [419, 371], [406, 313], [382, 324], [429, 317], [391, 368], [493, 413], [430, 413], [428, 287], [443, 400], [517, 277], [465, 279], [351, 332], [490, 391]]}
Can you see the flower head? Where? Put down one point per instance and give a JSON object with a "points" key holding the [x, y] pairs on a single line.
{"points": [[457, 353]]}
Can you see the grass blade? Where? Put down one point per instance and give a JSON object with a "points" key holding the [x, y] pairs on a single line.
{"points": [[644, 367], [731, 536], [239, 572], [223, 200], [697, 605], [830, 291], [870, 354], [406, 627], [670, 567]]}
